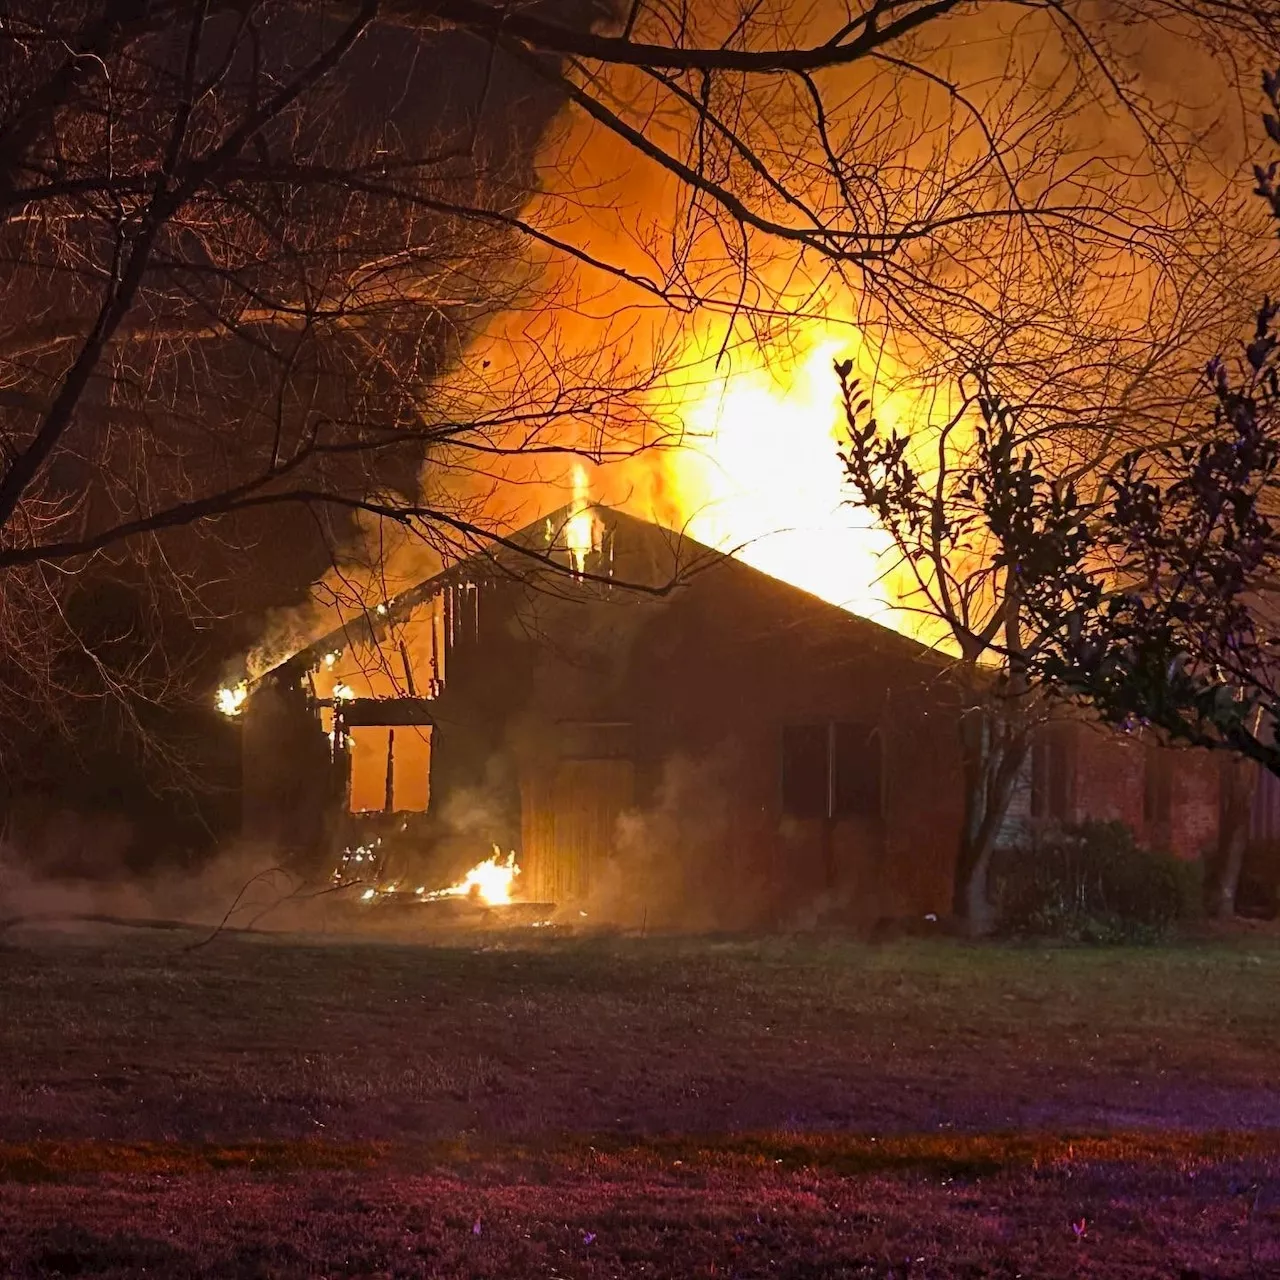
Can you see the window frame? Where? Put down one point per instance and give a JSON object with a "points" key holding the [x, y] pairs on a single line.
{"points": [[1053, 773], [838, 751]]}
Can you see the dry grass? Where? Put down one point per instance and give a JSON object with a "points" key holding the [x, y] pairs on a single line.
{"points": [[637, 1107]]}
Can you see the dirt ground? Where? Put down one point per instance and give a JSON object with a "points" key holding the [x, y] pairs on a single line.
{"points": [[529, 1104]]}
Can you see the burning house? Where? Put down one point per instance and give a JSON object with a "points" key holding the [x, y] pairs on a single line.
{"points": [[731, 752], [720, 753]]}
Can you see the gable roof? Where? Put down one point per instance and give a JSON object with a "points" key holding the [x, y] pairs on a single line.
{"points": [[528, 555]]}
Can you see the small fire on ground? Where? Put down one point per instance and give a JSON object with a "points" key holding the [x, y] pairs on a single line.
{"points": [[490, 883]]}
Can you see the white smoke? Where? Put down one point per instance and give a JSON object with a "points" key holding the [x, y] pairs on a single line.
{"points": [[678, 865]]}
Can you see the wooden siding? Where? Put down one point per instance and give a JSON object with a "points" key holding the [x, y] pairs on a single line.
{"points": [[569, 824]]}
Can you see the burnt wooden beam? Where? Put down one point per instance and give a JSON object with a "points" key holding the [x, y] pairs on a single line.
{"points": [[372, 713]]}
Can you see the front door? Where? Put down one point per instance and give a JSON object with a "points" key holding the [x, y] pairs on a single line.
{"points": [[570, 825]]}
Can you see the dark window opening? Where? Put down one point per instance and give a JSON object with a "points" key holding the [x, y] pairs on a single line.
{"points": [[1053, 773], [804, 770], [832, 770]]}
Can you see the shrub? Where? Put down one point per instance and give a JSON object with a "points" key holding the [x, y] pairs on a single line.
{"points": [[1094, 883]]}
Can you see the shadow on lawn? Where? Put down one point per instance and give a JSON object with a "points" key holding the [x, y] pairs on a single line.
{"points": [[68, 1250]]}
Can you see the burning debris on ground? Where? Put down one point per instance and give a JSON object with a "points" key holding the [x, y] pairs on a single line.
{"points": [[487, 896]]}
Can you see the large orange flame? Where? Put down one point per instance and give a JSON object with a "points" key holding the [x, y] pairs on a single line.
{"points": [[759, 476], [580, 529]]}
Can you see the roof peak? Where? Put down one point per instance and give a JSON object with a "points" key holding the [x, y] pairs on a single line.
{"points": [[541, 542]]}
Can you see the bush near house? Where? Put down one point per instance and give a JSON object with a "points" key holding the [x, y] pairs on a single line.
{"points": [[1092, 882]]}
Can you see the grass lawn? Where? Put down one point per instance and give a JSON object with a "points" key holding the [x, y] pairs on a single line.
{"points": [[614, 1107]]}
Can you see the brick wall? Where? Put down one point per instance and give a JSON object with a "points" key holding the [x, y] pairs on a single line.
{"points": [[1110, 777], [1194, 826], [1167, 796]]}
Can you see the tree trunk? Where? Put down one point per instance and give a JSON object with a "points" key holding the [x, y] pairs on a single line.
{"points": [[1238, 779], [992, 750], [971, 898], [970, 901]]}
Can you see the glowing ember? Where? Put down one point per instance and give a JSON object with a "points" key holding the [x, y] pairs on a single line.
{"points": [[491, 881], [580, 530], [356, 862], [231, 698]]}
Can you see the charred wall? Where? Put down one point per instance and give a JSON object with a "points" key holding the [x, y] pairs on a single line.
{"points": [[740, 660], [289, 789], [645, 739]]}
